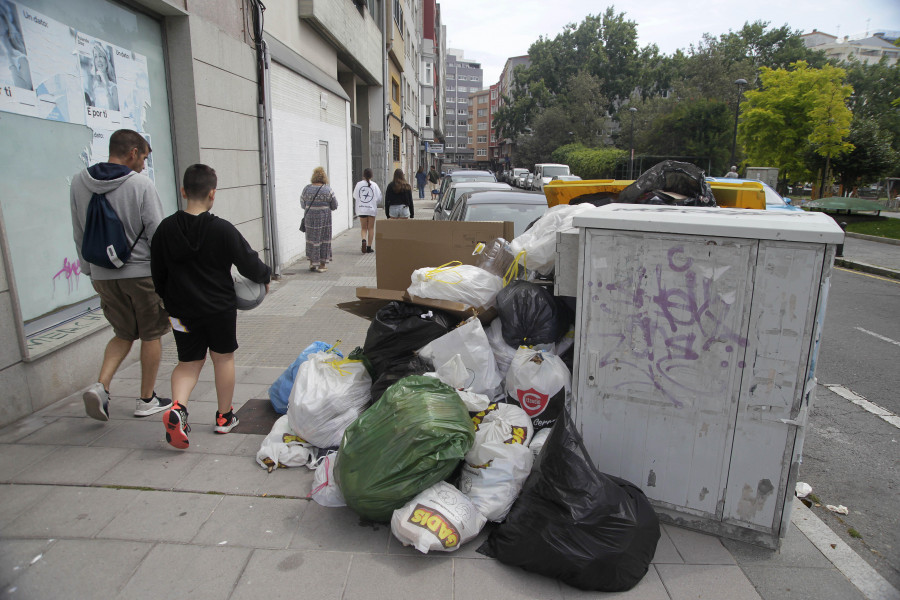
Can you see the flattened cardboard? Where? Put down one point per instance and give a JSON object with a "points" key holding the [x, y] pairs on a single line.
{"points": [[372, 299], [404, 245]]}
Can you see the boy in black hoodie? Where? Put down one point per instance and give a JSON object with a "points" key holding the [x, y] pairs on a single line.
{"points": [[190, 259]]}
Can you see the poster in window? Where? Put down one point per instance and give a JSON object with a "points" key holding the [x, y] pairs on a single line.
{"points": [[100, 84], [53, 67], [16, 86]]}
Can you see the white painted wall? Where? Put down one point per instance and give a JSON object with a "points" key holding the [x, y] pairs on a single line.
{"points": [[299, 123]]}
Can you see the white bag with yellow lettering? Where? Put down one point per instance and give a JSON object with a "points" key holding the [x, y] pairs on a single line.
{"points": [[440, 518]]}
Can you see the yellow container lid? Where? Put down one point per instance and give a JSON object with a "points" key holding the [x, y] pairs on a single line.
{"points": [[730, 194]]}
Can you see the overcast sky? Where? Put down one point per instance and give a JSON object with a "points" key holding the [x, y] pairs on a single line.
{"points": [[491, 32]]}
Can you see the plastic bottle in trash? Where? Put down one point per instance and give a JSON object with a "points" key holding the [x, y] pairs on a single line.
{"points": [[494, 257]]}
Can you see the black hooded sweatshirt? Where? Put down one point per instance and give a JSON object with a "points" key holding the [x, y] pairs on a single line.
{"points": [[191, 258]]}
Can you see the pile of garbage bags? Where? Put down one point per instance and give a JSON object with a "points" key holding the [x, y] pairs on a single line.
{"points": [[439, 425]]}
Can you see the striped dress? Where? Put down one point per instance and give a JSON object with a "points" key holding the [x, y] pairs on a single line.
{"points": [[318, 221]]}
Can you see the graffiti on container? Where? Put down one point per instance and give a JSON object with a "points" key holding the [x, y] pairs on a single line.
{"points": [[667, 318], [70, 271]]}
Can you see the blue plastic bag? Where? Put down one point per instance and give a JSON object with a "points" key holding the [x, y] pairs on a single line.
{"points": [[280, 391]]}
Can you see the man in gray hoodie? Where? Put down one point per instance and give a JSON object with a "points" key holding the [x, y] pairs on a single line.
{"points": [[127, 297]]}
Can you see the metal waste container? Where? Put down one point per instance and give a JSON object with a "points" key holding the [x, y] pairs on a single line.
{"points": [[696, 338]]}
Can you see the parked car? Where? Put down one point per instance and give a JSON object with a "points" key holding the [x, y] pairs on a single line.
{"points": [[521, 179], [774, 201], [465, 175], [448, 199], [521, 208], [529, 178], [514, 175], [543, 172]]}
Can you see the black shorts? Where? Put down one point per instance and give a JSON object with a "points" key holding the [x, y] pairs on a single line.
{"points": [[193, 337]]}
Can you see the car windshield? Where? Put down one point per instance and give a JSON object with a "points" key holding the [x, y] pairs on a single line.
{"points": [[772, 197], [520, 214], [551, 171]]}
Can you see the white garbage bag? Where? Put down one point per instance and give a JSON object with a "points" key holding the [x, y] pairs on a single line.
{"points": [[329, 393], [454, 373], [494, 485], [325, 489], [537, 442], [539, 382], [471, 344], [470, 285], [503, 423], [503, 352], [539, 242], [439, 519], [283, 448]]}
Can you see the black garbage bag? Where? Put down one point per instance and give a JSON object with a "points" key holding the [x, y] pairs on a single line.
{"points": [[399, 329], [680, 178], [597, 199], [592, 531], [397, 370], [529, 314]]}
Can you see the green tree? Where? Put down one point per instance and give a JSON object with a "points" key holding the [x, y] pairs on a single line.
{"points": [[876, 95], [795, 109], [871, 158]]}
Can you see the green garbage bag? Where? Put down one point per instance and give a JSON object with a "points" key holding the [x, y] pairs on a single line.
{"points": [[413, 437]]}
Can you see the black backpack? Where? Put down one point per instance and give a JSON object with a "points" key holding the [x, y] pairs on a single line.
{"points": [[104, 242]]}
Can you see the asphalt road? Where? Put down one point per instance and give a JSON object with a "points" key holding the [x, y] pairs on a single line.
{"points": [[851, 457]]}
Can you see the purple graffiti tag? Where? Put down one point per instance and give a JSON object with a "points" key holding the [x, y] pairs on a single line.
{"points": [[71, 271]]}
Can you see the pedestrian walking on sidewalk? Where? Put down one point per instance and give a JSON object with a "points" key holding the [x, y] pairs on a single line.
{"points": [[434, 178], [318, 201], [398, 202], [126, 292], [191, 255], [421, 178], [367, 196]]}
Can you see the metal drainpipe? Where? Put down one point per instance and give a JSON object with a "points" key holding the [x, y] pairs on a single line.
{"points": [[385, 93], [267, 170]]}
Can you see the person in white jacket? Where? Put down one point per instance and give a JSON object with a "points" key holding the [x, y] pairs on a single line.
{"points": [[367, 196]]}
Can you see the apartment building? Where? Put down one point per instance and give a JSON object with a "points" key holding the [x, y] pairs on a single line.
{"points": [[462, 77], [479, 107], [505, 87], [431, 116], [868, 50]]}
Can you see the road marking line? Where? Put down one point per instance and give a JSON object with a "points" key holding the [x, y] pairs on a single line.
{"points": [[858, 400], [864, 274], [860, 573], [880, 337]]}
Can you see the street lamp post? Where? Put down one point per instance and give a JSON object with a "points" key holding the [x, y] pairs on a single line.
{"points": [[632, 110], [737, 107]]}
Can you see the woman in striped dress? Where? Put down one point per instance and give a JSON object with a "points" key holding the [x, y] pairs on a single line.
{"points": [[317, 201]]}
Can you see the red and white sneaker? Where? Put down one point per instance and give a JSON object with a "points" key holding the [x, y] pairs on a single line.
{"points": [[177, 428], [225, 423]]}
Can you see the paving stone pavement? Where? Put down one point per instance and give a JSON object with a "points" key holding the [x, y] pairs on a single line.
{"points": [[109, 510]]}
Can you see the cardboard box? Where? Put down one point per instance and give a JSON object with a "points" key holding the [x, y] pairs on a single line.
{"points": [[404, 245]]}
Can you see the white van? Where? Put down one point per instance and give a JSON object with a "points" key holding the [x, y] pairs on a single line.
{"points": [[544, 172]]}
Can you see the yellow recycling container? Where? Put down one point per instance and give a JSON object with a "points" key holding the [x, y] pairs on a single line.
{"points": [[729, 194]]}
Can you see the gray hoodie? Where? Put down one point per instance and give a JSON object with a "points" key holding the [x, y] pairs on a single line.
{"points": [[135, 200]]}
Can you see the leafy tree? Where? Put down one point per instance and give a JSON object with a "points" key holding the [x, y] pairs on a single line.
{"points": [[876, 95], [871, 158], [796, 108]]}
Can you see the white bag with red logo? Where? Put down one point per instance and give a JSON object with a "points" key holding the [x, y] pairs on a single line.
{"points": [[539, 382], [440, 518]]}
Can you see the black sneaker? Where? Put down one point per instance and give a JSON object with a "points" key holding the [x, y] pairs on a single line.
{"points": [[145, 408], [225, 423], [177, 428]]}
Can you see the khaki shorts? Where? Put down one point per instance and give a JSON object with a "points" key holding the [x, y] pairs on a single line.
{"points": [[132, 308]]}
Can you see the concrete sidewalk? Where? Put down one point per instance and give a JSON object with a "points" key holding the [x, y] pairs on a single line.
{"points": [[104, 510]]}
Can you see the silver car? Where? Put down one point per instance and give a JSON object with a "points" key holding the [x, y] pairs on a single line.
{"points": [[448, 199]]}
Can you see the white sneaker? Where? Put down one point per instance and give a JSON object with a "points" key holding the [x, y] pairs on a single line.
{"points": [[96, 402], [143, 408]]}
